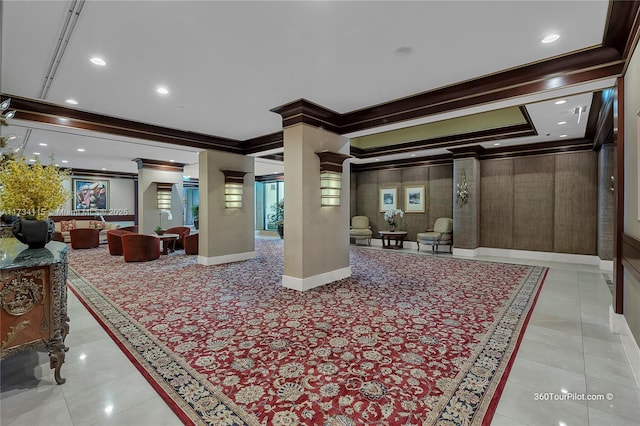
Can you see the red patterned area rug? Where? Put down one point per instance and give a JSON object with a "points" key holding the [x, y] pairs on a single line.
{"points": [[409, 339]]}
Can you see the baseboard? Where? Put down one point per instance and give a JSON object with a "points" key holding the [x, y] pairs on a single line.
{"points": [[606, 265], [582, 259], [229, 258], [303, 284], [618, 325]]}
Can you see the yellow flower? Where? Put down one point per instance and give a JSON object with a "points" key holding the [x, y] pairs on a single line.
{"points": [[31, 190]]}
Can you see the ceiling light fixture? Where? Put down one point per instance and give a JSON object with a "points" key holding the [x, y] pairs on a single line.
{"points": [[36, 153], [162, 90], [72, 101], [563, 136], [496, 144], [11, 137], [42, 144], [550, 38], [80, 149], [65, 161], [562, 122], [98, 61], [560, 102]]}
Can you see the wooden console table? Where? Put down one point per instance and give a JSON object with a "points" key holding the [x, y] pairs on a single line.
{"points": [[397, 236], [33, 300]]}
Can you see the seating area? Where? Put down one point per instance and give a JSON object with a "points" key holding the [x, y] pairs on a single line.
{"points": [[64, 227]]}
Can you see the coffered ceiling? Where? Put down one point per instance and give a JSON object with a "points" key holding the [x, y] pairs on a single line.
{"points": [[434, 67]]}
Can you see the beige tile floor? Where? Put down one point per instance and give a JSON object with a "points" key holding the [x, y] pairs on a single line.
{"points": [[566, 348]]}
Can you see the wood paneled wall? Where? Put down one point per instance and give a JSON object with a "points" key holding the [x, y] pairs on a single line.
{"points": [[542, 203], [438, 182]]}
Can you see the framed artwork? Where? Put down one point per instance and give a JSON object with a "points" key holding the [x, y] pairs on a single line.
{"points": [[90, 194], [388, 199], [414, 199]]}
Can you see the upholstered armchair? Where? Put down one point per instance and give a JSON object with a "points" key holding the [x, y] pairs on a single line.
{"points": [[140, 247], [182, 231], [191, 244], [441, 234], [114, 240], [84, 238], [360, 229]]}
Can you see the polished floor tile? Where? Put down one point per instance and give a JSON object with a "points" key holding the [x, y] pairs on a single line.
{"points": [[567, 353]]}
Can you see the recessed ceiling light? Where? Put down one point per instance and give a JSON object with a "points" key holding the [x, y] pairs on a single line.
{"points": [[57, 165], [377, 159], [12, 137], [403, 51], [72, 101], [36, 153], [563, 136], [98, 61], [80, 149], [560, 102], [65, 161], [172, 161], [413, 155], [550, 38], [496, 144], [64, 120], [104, 168], [42, 144], [32, 160], [162, 90], [562, 122]]}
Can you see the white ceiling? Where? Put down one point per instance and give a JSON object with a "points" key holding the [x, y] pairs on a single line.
{"points": [[227, 64]]}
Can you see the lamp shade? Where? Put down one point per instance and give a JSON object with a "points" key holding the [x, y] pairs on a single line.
{"points": [[331, 177], [164, 195], [233, 188]]}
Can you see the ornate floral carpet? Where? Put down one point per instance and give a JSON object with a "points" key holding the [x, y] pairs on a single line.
{"points": [[407, 340]]}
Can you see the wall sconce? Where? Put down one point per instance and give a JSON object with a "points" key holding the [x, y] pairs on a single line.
{"points": [[164, 195], [331, 177], [233, 184], [462, 192]]}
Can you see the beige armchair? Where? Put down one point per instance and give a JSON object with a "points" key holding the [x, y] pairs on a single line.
{"points": [[441, 234], [360, 229]]}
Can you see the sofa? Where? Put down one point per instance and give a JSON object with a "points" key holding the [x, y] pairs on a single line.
{"points": [[64, 226]]}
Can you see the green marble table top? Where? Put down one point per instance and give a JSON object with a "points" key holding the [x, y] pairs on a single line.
{"points": [[14, 254]]}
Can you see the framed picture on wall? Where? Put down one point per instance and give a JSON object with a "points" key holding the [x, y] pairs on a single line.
{"points": [[90, 194], [414, 199], [388, 198]]}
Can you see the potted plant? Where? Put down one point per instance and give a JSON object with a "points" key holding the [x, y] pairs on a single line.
{"points": [[31, 192], [195, 212], [276, 217], [158, 230]]}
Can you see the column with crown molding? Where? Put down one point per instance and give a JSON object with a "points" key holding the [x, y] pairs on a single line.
{"points": [[316, 237]]}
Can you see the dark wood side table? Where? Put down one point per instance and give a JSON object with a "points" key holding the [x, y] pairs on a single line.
{"points": [[397, 236]]}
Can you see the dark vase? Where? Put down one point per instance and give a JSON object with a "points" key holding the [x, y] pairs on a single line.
{"points": [[196, 223], [281, 230], [34, 233]]}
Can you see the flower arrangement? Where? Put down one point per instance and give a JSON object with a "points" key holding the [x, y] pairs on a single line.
{"points": [[31, 191], [392, 216]]}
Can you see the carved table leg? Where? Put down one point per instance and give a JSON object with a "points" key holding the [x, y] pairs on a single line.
{"points": [[57, 351]]}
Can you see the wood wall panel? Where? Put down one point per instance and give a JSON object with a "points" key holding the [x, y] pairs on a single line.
{"points": [[496, 203], [533, 203], [576, 203], [367, 197], [414, 222], [440, 193]]}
